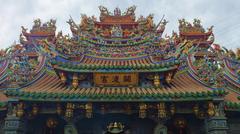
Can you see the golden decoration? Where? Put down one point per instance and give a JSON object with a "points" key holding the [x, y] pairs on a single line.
{"points": [[156, 80], [69, 110], [63, 77], [75, 80], [149, 23], [142, 110], [169, 77], [211, 109], [161, 110], [89, 110], [20, 109], [196, 109], [35, 109]]}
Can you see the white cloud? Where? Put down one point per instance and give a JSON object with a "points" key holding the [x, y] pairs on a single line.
{"points": [[224, 15]]}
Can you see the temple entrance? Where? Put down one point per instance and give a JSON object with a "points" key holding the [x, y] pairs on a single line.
{"points": [[115, 124]]}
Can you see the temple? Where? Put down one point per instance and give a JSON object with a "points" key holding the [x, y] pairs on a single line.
{"points": [[118, 74]]}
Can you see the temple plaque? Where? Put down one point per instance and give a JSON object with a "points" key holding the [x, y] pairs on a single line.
{"points": [[116, 79]]}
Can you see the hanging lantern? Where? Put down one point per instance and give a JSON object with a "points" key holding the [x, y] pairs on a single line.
{"points": [[75, 80], [142, 110], [89, 110]]}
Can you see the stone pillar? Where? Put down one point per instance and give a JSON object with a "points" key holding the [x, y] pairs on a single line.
{"points": [[216, 125], [13, 125], [70, 129]]}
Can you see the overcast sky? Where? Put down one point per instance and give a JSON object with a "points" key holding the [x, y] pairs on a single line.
{"points": [[223, 14]]}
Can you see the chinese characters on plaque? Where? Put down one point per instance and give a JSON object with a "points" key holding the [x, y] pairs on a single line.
{"points": [[116, 79]]}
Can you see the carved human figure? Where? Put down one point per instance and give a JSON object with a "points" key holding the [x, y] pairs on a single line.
{"points": [[149, 22]]}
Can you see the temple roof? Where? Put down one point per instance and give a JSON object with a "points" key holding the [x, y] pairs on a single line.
{"points": [[93, 64], [51, 88], [185, 66], [232, 97]]}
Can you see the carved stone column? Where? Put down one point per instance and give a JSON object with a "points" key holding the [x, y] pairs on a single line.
{"points": [[13, 125], [217, 124]]}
